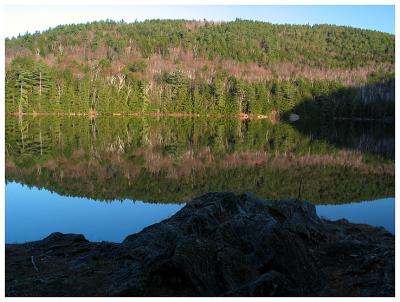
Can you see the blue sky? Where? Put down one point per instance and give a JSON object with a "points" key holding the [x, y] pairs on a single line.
{"points": [[20, 19]]}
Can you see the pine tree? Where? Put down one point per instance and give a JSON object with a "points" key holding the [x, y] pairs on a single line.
{"points": [[144, 95]]}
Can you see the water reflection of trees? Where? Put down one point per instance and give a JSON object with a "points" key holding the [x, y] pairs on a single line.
{"points": [[173, 159]]}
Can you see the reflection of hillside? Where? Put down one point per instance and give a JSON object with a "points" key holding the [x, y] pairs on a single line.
{"points": [[170, 160]]}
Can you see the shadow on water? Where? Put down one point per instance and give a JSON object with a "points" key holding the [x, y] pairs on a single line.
{"points": [[368, 137]]}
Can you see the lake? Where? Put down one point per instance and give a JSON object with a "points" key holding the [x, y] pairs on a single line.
{"points": [[108, 177]]}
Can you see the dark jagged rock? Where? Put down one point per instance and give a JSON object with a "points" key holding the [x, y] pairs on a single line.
{"points": [[219, 244]]}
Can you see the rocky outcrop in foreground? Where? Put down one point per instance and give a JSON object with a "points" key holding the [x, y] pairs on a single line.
{"points": [[219, 244]]}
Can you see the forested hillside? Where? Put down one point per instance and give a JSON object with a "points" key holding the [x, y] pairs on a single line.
{"points": [[202, 67]]}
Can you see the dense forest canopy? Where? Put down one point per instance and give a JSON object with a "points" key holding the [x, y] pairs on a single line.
{"points": [[201, 67], [243, 41]]}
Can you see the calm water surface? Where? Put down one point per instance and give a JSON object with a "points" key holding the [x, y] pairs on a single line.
{"points": [[33, 214], [112, 176]]}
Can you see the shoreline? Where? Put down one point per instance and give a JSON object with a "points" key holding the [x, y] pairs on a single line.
{"points": [[243, 116], [273, 116]]}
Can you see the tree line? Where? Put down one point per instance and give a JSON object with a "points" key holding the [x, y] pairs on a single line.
{"points": [[32, 86]]}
